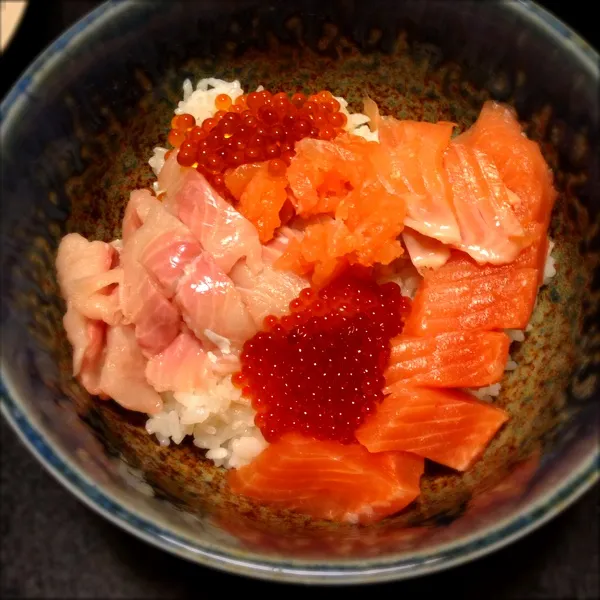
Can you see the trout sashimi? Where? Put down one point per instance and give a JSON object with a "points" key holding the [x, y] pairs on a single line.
{"points": [[489, 230], [328, 480], [182, 367], [211, 305], [463, 295], [519, 161], [449, 427], [456, 359], [410, 160]]}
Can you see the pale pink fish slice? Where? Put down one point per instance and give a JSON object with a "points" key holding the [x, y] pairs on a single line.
{"points": [[86, 278], [181, 367], [410, 161], [270, 291], [166, 257], [490, 231], [156, 320], [163, 245], [424, 252], [223, 232], [211, 306], [87, 339], [140, 203], [123, 377], [170, 177]]}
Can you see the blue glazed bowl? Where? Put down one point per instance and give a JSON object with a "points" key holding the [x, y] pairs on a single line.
{"points": [[77, 130]]}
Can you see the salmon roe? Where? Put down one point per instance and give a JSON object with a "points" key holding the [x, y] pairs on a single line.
{"points": [[257, 127], [320, 370]]}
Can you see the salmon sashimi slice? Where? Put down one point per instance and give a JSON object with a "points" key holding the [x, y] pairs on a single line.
{"points": [[519, 161], [182, 367], [424, 252], [536, 253], [138, 207], [211, 306], [450, 427], [410, 160], [122, 376], [221, 230], [489, 230], [328, 480], [262, 200], [87, 339], [87, 279], [463, 295], [455, 359]]}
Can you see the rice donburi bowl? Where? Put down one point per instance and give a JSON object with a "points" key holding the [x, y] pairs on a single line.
{"points": [[484, 369]]}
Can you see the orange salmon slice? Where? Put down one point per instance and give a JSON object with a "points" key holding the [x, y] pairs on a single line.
{"points": [[449, 427], [410, 160], [328, 480], [519, 161], [455, 359], [463, 295], [489, 229]]}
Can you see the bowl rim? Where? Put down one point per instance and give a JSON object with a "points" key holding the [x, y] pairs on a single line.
{"points": [[66, 472]]}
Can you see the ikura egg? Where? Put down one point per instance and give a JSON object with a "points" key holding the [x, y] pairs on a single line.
{"points": [[319, 371]]}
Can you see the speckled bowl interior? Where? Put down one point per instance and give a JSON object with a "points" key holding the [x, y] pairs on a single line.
{"points": [[77, 132]]}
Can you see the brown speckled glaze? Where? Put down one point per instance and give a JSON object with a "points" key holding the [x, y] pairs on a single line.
{"points": [[408, 79]]}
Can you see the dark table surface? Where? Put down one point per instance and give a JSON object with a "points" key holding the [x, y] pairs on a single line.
{"points": [[52, 546]]}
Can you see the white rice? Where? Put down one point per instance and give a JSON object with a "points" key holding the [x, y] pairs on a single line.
{"points": [[219, 419]]}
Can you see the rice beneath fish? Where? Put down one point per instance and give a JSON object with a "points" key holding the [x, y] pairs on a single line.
{"points": [[219, 419]]}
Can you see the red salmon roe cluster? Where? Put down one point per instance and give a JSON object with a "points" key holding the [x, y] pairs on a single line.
{"points": [[320, 370], [255, 127]]}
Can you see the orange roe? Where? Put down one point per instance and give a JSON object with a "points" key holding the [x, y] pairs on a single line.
{"points": [[320, 370], [357, 220], [257, 127]]}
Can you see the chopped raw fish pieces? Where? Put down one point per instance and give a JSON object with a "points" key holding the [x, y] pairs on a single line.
{"points": [[456, 359], [87, 338], [489, 230], [328, 480], [223, 232], [166, 258], [268, 292], [86, 278], [449, 427], [156, 320], [210, 302], [138, 207], [410, 162], [463, 295], [262, 201], [520, 162], [182, 367], [122, 376]]}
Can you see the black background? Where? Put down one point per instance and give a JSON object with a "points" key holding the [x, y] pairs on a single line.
{"points": [[51, 546]]}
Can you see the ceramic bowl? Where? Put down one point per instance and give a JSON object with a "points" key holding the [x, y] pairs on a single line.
{"points": [[77, 130]]}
